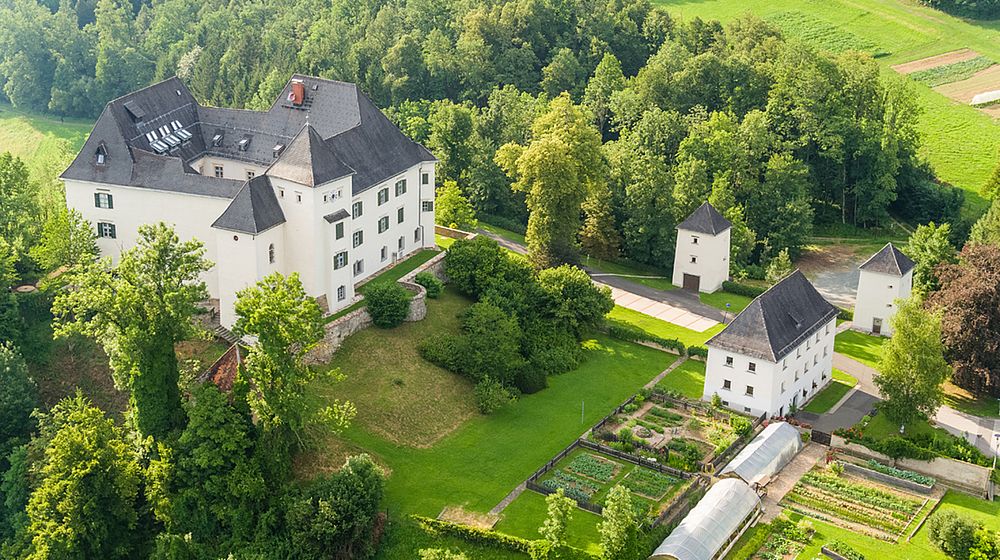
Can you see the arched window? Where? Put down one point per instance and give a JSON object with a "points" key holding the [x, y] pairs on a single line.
{"points": [[270, 253]]}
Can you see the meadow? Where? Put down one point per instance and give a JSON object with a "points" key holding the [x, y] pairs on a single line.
{"points": [[959, 141]]}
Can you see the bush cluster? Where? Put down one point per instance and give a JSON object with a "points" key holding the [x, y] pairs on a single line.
{"points": [[524, 326], [431, 283], [491, 395], [624, 331], [699, 351], [388, 304], [740, 289]]}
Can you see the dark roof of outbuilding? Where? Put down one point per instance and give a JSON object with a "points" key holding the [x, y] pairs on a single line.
{"points": [[337, 216], [705, 219], [253, 210], [889, 260], [308, 160], [350, 135], [777, 321], [223, 372]]}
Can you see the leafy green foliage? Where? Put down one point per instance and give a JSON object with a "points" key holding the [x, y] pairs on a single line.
{"points": [[952, 533], [18, 206], [431, 283], [18, 398], [67, 240], [779, 267], [912, 368], [619, 530], [928, 246], [572, 299], [452, 209], [900, 473], [286, 323], [388, 304], [473, 263], [137, 312], [560, 511], [592, 466], [91, 473], [491, 395]]}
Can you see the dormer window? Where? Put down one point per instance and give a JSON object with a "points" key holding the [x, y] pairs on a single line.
{"points": [[217, 139], [277, 149], [244, 143], [101, 155]]}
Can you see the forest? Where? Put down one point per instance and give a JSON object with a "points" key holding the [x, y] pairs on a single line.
{"points": [[779, 137]]}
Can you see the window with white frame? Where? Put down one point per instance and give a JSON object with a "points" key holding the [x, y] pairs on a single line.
{"points": [[383, 196], [727, 384], [341, 293], [105, 229], [383, 224], [359, 266], [340, 260], [729, 361], [358, 237], [104, 200], [749, 390], [427, 206], [751, 367], [400, 187], [357, 209]]}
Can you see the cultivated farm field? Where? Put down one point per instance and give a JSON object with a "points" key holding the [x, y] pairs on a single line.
{"points": [[958, 140]]}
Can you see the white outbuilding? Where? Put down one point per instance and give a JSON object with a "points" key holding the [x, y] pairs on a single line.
{"points": [[766, 455], [885, 277], [701, 258], [712, 527]]}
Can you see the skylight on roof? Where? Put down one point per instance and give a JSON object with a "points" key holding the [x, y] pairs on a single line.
{"points": [[277, 149], [244, 143], [217, 139], [160, 147], [176, 125]]}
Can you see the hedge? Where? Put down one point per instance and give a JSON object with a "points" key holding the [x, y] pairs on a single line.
{"points": [[742, 289], [623, 331], [699, 351], [845, 314], [538, 549]]}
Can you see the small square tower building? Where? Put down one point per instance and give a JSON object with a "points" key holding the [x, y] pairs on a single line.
{"points": [[885, 277], [701, 258]]}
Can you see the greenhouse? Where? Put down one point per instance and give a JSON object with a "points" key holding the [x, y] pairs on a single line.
{"points": [[710, 528], [766, 455]]}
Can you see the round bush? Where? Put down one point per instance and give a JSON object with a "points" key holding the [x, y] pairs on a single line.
{"points": [[431, 283], [388, 304]]}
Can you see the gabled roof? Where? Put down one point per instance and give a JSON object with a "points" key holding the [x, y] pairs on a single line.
{"points": [[253, 210], [889, 260], [705, 219], [223, 372], [777, 321], [307, 160]]}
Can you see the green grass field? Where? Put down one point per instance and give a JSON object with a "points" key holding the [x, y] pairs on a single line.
{"points": [[719, 300], [959, 141], [687, 379], [662, 329], [831, 395], [864, 348], [525, 515], [978, 405]]}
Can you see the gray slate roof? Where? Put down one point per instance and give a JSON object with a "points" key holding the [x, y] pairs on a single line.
{"points": [[308, 160], [777, 321], [352, 128], [337, 216], [705, 219], [889, 260], [253, 210]]}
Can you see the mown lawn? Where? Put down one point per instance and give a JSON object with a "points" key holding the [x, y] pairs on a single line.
{"points": [[959, 141], [864, 348], [46, 144], [525, 515], [977, 405], [721, 299], [687, 379], [646, 276], [831, 395], [507, 234], [661, 328]]}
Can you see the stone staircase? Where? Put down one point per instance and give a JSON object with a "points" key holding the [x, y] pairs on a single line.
{"points": [[225, 335]]}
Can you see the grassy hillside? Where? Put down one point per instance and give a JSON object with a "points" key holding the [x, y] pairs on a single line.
{"points": [[959, 141]]}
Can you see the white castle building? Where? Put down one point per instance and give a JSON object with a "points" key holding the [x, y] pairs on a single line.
{"points": [[321, 184], [885, 277], [777, 353], [701, 256]]}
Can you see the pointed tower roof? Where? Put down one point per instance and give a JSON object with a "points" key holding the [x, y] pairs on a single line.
{"points": [[253, 210], [889, 260], [705, 219], [308, 160], [778, 320]]}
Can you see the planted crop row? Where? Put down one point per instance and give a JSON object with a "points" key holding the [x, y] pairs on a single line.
{"points": [[574, 487], [894, 519], [953, 72], [666, 416], [900, 473], [649, 483], [839, 511], [864, 494], [592, 466]]}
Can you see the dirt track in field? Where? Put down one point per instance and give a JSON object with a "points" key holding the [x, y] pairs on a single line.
{"points": [[935, 61], [985, 80]]}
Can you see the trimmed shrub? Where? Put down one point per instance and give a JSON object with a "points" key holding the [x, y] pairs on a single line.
{"points": [[491, 395], [474, 535], [431, 283], [549, 349], [530, 380], [441, 350], [742, 289], [952, 533], [472, 264], [697, 351], [388, 303]]}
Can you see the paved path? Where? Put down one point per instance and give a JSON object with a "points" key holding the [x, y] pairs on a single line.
{"points": [[785, 480], [981, 432], [670, 368], [674, 306]]}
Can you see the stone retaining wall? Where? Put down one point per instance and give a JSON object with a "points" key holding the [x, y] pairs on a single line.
{"points": [[888, 479]]}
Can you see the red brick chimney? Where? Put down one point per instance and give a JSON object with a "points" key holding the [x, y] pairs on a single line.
{"points": [[298, 93]]}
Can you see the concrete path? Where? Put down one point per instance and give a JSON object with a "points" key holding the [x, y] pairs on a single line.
{"points": [[783, 483], [674, 306], [662, 374], [979, 431]]}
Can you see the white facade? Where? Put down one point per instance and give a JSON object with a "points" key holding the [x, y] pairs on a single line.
{"points": [[702, 255], [305, 243], [758, 386], [876, 302]]}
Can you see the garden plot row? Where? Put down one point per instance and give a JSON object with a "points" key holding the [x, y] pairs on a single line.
{"points": [[853, 503]]}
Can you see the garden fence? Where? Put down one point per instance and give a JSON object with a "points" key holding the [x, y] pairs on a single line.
{"points": [[719, 461], [682, 504], [628, 457]]}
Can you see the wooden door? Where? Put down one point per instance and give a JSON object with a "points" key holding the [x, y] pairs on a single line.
{"points": [[692, 282]]}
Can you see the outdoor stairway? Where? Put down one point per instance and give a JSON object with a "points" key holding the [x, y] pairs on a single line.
{"points": [[224, 334]]}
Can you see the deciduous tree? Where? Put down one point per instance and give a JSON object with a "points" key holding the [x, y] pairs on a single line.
{"points": [[560, 512], [67, 240], [619, 530], [18, 397], [929, 247], [912, 368], [137, 311], [453, 209]]}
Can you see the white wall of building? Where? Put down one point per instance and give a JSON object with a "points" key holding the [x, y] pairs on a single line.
{"points": [[702, 255], [877, 295], [244, 260], [231, 169], [190, 215], [776, 386]]}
